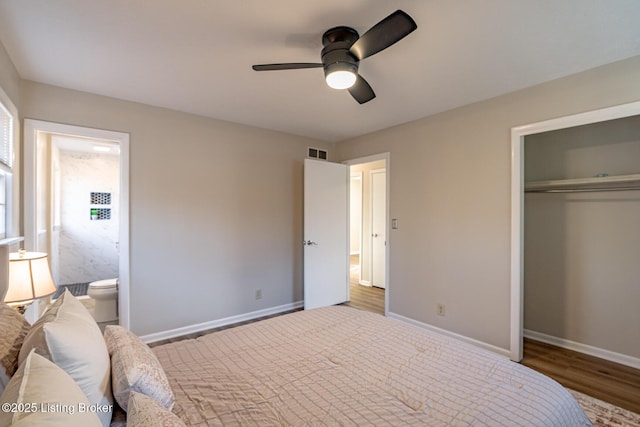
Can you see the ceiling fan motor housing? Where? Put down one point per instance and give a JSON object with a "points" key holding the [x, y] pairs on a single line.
{"points": [[335, 54]]}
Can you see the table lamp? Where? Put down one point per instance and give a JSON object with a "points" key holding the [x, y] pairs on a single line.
{"points": [[29, 279]]}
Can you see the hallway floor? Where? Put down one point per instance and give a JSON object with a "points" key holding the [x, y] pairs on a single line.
{"points": [[367, 298]]}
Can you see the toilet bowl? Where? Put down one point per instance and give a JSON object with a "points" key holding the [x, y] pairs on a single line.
{"points": [[105, 293]]}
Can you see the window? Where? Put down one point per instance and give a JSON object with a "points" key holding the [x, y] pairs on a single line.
{"points": [[8, 136], [3, 206]]}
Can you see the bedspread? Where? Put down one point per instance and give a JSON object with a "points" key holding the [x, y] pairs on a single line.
{"points": [[342, 366]]}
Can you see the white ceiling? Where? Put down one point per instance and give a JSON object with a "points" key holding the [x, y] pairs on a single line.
{"points": [[85, 145], [196, 55]]}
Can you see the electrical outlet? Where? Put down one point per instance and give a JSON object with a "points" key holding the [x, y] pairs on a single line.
{"points": [[440, 309], [258, 293]]}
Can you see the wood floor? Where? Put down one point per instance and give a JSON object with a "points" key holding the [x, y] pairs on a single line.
{"points": [[604, 380], [367, 298]]}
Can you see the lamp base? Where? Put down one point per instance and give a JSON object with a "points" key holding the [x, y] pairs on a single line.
{"points": [[21, 306]]}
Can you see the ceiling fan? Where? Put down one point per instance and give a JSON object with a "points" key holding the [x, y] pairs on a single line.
{"points": [[344, 49]]}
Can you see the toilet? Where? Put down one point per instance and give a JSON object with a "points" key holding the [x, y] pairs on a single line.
{"points": [[105, 293]]}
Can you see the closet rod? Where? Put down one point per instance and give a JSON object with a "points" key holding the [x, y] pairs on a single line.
{"points": [[583, 190], [597, 183]]}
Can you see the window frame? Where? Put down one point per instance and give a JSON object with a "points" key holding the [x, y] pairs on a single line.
{"points": [[8, 204]]}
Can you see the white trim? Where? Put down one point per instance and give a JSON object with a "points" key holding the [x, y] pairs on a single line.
{"points": [[185, 330], [517, 202], [31, 129], [387, 158], [492, 348], [601, 353], [517, 246], [12, 187], [368, 159], [358, 176], [10, 241]]}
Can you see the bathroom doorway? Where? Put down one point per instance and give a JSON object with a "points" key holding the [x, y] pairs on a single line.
{"points": [[76, 204], [85, 208]]}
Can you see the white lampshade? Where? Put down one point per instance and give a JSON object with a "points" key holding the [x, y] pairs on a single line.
{"points": [[29, 278]]}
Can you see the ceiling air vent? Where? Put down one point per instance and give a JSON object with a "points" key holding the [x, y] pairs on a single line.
{"points": [[316, 153]]}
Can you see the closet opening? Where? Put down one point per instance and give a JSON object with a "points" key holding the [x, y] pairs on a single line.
{"points": [[575, 230]]}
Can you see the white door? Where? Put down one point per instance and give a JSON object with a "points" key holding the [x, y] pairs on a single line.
{"points": [[326, 257], [378, 226]]}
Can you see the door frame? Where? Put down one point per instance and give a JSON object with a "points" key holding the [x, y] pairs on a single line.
{"points": [[368, 159], [518, 134], [360, 178], [31, 129]]}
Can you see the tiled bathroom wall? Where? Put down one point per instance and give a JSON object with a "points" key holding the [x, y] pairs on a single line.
{"points": [[87, 248]]}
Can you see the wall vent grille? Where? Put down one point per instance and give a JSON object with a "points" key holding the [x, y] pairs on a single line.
{"points": [[316, 153]]}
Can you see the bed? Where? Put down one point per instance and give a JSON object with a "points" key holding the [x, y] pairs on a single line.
{"points": [[327, 366], [342, 366]]}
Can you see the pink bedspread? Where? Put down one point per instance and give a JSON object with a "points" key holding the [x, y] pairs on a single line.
{"points": [[342, 366]]}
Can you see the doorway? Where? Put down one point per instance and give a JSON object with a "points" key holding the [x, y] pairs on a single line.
{"points": [[84, 205], [368, 226], [76, 204]]}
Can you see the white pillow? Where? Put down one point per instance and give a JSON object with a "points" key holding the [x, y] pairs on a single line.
{"points": [[135, 367], [145, 411], [41, 394], [67, 335]]}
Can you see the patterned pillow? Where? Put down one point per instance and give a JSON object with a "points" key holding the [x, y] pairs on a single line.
{"points": [[42, 394], [14, 328], [67, 335], [147, 412], [134, 367]]}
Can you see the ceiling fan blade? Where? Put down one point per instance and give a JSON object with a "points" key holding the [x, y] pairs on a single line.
{"points": [[390, 30], [361, 90], [288, 66]]}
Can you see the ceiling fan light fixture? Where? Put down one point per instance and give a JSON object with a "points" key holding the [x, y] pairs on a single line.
{"points": [[341, 79], [340, 75]]}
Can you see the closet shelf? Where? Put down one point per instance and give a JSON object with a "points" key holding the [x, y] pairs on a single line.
{"points": [[599, 183]]}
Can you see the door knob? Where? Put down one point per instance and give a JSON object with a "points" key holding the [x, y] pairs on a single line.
{"points": [[309, 243], [375, 234]]}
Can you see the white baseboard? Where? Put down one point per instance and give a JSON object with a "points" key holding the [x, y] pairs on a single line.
{"points": [[612, 356], [185, 330], [364, 283], [500, 351]]}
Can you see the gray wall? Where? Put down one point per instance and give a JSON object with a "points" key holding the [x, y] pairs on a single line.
{"points": [[206, 226], [450, 190], [216, 208], [9, 78], [581, 249]]}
